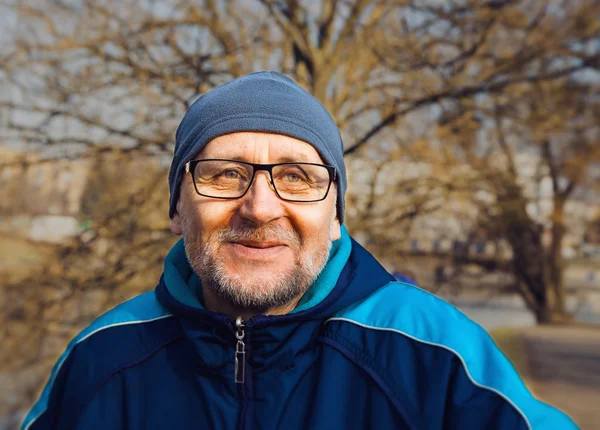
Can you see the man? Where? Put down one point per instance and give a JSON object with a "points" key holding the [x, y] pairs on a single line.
{"points": [[268, 315]]}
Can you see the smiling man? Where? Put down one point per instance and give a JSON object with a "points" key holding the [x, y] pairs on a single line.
{"points": [[268, 314]]}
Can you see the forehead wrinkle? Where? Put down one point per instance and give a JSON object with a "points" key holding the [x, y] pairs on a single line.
{"points": [[252, 146], [299, 151], [230, 146]]}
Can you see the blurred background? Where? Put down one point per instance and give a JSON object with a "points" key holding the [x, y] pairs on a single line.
{"points": [[472, 140]]}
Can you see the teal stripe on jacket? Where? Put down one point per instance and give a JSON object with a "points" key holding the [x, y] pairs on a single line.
{"points": [[419, 315], [141, 309]]}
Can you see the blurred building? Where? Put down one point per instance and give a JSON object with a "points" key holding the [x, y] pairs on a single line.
{"points": [[40, 199], [51, 200]]}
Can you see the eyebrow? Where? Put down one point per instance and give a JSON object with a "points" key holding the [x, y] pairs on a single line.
{"points": [[299, 158]]}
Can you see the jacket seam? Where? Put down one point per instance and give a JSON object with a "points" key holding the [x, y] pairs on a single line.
{"points": [[122, 367], [447, 348], [367, 363], [63, 359]]}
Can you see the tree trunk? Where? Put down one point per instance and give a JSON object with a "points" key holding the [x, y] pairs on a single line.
{"points": [[544, 316], [538, 273], [552, 316], [555, 258]]}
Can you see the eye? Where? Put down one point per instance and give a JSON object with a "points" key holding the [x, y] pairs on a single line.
{"points": [[293, 177], [230, 174]]}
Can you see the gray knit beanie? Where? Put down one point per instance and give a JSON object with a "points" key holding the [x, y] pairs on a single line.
{"points": [[264, 102]]}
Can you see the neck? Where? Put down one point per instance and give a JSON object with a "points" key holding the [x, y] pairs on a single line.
{"points": [[214, 303]]}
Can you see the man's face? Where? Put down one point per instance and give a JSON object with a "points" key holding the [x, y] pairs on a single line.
{"points": [[258, 251]]}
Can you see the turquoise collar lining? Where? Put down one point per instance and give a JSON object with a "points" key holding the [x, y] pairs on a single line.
{"points": [[186, 287], [181, 281], [325, 282]]}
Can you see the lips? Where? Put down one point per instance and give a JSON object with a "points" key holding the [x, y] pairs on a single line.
{"points": [[257, 251], [259, 245]]}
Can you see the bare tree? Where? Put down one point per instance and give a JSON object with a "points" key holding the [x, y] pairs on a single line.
{"points": [[459, 88], [535, 145]]}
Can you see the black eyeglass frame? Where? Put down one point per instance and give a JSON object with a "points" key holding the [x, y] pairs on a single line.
{"points": [[190, 167]]}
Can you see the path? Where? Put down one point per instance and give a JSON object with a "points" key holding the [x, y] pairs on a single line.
{"points": [[564, 370]]}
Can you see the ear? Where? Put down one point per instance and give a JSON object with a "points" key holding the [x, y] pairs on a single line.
{"points": [[176, 221], [336, 229]]}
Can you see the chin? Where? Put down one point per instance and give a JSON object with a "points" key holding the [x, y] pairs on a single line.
{"points": [[250, 268], [257, 283], [261, 276], [258, 287]]}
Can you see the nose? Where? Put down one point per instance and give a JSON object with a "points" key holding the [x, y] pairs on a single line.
{"points": [[261, 205]]}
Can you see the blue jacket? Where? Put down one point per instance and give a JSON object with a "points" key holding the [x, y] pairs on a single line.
{"points": [[361, 350]]}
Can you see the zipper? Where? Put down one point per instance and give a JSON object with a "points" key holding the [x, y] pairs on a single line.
{"points": [[240, 352]]}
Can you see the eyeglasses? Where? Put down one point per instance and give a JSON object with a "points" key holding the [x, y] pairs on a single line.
{"points": [[230, 179]]}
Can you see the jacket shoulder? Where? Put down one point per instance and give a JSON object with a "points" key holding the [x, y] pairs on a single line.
{"points": [[120, 336], [409, 316]]}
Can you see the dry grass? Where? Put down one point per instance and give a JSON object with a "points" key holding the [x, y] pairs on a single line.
{"points": [[510, 342]]}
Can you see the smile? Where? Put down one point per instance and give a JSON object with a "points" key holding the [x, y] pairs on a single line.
{"points": [[255, 250]]}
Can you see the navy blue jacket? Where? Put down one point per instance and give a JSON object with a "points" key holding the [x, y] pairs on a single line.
{"points": [[360, 351]]}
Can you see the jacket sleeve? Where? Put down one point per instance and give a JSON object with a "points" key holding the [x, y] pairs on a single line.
{"points": [[57, 405], [74, 399], [484, 391], [83, 391], [445, 366]]}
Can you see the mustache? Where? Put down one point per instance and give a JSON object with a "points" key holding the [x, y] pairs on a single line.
{"points": [[267, 232]]}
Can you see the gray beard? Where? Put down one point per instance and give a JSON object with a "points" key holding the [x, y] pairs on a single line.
{"points": [[275, 289]]}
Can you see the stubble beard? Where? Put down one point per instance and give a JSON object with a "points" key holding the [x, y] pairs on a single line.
{"points": [[267, 290]]}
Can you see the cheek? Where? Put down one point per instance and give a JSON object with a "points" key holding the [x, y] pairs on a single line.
{"points": [[191, 220], [210, 217], [315, 226]]}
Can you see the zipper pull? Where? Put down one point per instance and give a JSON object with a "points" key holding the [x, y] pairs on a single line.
{"points": [[240, 352]]}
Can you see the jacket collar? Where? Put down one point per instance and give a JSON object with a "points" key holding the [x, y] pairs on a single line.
{"points": [[351, 274], [273, 342]]}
